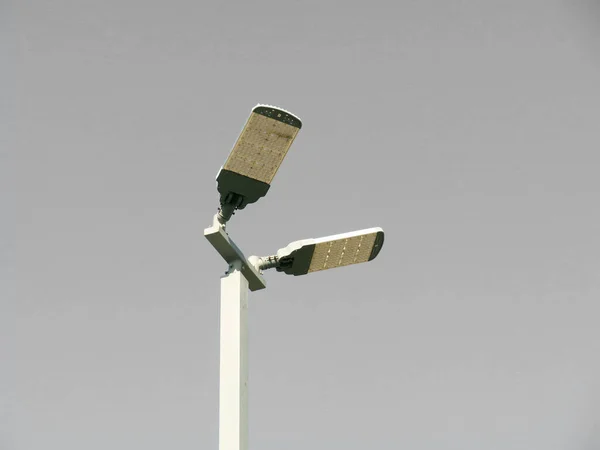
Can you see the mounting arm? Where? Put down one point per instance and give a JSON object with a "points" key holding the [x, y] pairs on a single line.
{"points": [[264, 262], [230, 252]]}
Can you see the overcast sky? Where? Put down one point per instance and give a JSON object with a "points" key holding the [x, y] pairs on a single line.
{"points": [[468, 130]]}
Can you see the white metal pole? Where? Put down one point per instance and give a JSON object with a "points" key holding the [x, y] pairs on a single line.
{"points": [[233, 387]]}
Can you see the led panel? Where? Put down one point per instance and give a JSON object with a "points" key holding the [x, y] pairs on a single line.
{"points": [[342, 251], [312, 255], [263, 143]]}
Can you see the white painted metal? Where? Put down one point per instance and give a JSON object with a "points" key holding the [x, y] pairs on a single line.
{"points": [[233, 389], [230, 252]]}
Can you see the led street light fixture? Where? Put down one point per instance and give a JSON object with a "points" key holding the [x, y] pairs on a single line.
{"points": [[256, 156], [312, 255], [244, 178]]}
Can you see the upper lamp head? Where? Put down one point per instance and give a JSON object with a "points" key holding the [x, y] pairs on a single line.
{"points": [[312, 255], [251, 166]]}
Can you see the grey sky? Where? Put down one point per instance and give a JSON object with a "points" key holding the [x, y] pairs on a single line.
{"points": [[7, 221], [468, 130]]}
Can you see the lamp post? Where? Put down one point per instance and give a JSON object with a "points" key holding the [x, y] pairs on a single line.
{"points": [[245, 177]]}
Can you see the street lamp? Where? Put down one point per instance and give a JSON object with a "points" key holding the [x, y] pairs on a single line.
{"points": [[245, 177], [259, 151]]}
